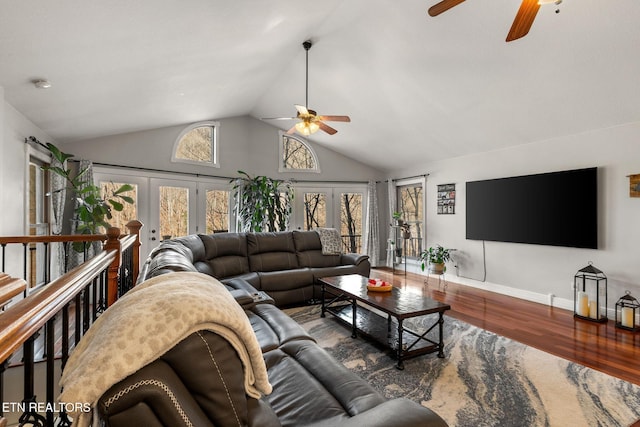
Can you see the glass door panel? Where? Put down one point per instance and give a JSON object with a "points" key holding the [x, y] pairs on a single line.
{"points": [[173, 209], [213, 208], [351, 221], [108, 181]]}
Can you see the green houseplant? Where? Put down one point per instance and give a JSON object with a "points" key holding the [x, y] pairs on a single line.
{"points": [[264, 204], [435, 256], [92, 210]]}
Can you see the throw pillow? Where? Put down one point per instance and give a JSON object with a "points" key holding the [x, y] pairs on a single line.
{"points": [[331, 241]]}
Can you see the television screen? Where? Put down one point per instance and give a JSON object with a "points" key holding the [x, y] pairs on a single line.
{"points": [[557, 208]]}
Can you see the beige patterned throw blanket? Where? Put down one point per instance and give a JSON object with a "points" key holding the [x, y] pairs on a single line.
{"points": [[147, 322]]}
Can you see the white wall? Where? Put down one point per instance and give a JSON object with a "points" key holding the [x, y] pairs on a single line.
{"points": [[534, 271], [244, 143], [14, 128]]}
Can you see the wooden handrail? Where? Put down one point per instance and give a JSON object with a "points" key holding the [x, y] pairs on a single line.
{"points": [[9, 288], [54, 238], [27, 316]]}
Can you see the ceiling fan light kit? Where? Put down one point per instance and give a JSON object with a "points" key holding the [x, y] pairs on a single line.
{"points": [[310, 122]]}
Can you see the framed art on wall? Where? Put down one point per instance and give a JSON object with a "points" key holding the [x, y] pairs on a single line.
{"points": [[447, 199]]}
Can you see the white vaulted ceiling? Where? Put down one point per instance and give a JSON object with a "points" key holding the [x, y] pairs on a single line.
{"points": [[426, 88]]}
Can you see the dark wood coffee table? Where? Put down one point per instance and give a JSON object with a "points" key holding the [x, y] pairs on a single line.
{"points": [[398, 305]]}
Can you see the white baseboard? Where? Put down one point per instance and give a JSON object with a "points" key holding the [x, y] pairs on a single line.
{"points": [[546, 299]]}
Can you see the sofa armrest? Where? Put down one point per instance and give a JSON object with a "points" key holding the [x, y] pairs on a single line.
{"points": [[399, 412], [353, 259]]}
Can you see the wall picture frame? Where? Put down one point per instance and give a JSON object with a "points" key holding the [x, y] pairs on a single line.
{"points": [[446, 199]]}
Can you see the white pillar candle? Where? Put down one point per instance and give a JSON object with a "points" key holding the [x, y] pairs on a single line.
{"points": [[627, 317], [583, 304]]}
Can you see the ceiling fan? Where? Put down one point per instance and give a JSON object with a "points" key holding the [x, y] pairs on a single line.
{"points": [[310, 122], [521, 24]]}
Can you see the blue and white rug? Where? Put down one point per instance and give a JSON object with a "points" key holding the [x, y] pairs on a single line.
{"points": [[484, 379]]}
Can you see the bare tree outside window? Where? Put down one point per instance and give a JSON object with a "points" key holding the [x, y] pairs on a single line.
{"points": [[410, 205], [174, 211], [315, 209], [351, 221], [296, 154], [197, 145], [217, 211]]}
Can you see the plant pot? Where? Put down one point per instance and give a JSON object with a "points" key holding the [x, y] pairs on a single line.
{"points": [[436, 268]]}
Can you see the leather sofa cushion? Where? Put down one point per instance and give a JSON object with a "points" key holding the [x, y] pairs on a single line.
{"points": [[204, 375], [309, 250], [273, 327], [323, 388], [225, 255], [271, 251]]}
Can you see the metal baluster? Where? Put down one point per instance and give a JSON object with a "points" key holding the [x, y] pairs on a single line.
{"points": [[78, 318], [94, 294], [3, 367], [30, 416], [64, 419], [24, 267], [47, 264], [50, 380], [86, 315]]}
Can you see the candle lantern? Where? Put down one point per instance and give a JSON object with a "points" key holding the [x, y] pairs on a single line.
{"points": [[627, 309], [590, 294]]}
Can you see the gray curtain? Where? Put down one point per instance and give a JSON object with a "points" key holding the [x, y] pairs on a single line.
{"points": [[371, 244], [392, 209], [58, 197], [76, 258]]}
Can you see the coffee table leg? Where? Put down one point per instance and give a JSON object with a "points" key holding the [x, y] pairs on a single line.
{"points": [[322, 292], [400, 364], [440, 329], [354, 326]]}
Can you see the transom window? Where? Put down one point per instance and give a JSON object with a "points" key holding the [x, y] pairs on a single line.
{"points": [[296, 155], [197, 144]]}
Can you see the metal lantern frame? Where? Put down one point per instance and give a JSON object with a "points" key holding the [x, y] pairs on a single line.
{"points": [[590, 283], [625, 303]]}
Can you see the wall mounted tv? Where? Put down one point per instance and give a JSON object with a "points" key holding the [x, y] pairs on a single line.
{"points": [[557, 209]]}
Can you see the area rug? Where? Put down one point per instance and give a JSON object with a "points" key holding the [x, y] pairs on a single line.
{"points": [[484, 379]]}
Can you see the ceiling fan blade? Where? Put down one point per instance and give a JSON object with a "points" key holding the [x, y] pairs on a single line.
{"points": [[328, 129], [292, 130], [279, 118], [443, 6], [302, 110], [524, 19], [335, 118]]}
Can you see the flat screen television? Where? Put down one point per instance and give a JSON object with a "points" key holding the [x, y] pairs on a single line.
{"points": [[557, 209]]}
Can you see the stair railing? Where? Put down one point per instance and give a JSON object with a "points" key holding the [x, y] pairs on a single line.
{"points": [[75, 299]]}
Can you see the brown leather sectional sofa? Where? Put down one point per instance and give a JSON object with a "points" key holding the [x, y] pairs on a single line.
{"points": [[286, 265], [199, 381]]}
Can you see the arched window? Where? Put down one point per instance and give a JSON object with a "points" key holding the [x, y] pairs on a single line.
{"points": [[197, 144], [296, 155]]}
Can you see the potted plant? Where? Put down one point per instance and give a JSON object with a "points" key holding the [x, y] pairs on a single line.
{"points": [[92, 209], [435, 256], [264, 203], [406, 230], [397, 219]]}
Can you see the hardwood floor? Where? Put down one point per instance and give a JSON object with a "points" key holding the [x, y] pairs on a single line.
{"points": [[600, 346]]}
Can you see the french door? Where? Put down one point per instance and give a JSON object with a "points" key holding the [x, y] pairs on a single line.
{"points": [[334, 207], [170, 207]]}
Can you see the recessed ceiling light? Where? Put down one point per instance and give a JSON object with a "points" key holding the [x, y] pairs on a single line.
{"points": [[42, 84]]}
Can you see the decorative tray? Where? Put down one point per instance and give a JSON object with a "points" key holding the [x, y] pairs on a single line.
{"points": [[377, 285]]}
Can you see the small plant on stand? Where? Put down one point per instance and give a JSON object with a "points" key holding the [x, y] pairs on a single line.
{"points": [[435, 256]]}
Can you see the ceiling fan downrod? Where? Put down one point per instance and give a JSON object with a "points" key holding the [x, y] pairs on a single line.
{"points": [[307, 45]]}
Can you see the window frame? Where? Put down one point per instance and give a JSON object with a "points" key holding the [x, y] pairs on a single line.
{"points": [[305, 143], [214, 149]]}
